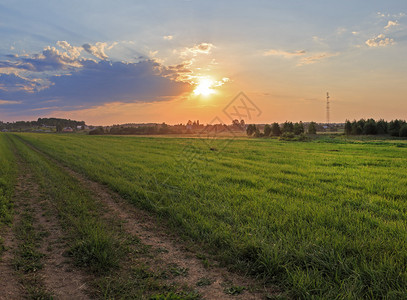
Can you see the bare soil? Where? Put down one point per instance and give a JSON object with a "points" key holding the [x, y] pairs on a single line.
{"points": [[9, 286]]}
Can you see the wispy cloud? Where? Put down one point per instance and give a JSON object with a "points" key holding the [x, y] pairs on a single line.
{"points": [[380, 41], [315, 58], [4, 102], [168, 37], [285, 54], [202, 48]]}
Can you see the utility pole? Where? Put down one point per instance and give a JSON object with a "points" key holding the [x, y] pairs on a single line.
{"points": [[327, 109]]}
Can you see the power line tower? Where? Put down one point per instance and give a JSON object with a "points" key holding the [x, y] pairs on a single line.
{"points": [[327, 109]]}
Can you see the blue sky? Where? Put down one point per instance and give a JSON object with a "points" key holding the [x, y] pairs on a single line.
{"points": [[139, 61]]}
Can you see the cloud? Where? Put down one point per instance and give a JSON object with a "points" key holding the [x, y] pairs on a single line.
{"points": [[341, 30], [14, 83], [72, 82], [4, 102], [168, 37], [202, 48], [380, 41], [315, 58], [51, 59], [74, 52], [387, 15], [285, 54], [97, 50], [391, 24]]}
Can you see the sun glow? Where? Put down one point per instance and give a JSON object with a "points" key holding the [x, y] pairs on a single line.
{"points": [[205, 87]]}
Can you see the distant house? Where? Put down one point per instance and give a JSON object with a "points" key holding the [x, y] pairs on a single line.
{"points": [[67, 129], [4, 130]]}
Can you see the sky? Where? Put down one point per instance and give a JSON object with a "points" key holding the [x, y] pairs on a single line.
{"points": [[126, 61]]}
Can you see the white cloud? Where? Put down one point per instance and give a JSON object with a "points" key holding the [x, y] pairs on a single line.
{"points": [[286, 54], [97, 50], [380, 41], [391, 24], [355, 32], [387, 15], [168, 37], [74, 52], [202, 48]]}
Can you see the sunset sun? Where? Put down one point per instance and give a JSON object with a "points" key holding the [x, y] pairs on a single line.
{"points": [[204, 87]]}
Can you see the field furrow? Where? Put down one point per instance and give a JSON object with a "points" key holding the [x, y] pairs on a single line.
{"points": [[317, 219]]}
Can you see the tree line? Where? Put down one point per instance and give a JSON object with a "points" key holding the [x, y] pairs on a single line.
{"points": [[287, 129], [372, 127], [47, 122]]}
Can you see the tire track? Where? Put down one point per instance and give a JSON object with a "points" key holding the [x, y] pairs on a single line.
{"points": [[169, 250], [9, 286], [56, 277]]}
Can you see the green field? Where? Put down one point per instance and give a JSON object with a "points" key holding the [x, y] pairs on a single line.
{"points": [[325, 218], [7, 177]]}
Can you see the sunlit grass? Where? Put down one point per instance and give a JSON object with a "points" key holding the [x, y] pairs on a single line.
{"points": [[324, 218]]}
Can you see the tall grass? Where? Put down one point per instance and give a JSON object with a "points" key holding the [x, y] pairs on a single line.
{"points": [[7, 180], [321, 219], [93, 244]]}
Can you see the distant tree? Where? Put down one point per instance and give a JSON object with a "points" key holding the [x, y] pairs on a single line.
{"points": [[394, 127], [257, 133], [370, 127], [357, 128], [164, 128], [275, 129], [251, 129], [361, 125], [312, 128], [242, 124], [267, 130], [288, 127], [348, 127], [403, 130], [59, 128], [381, 126], [298, 128]]}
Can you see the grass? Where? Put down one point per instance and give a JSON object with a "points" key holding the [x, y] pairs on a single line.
{"points": [[28, 258], [325, 218], [97, 243], [92, 244], [7, 180]]}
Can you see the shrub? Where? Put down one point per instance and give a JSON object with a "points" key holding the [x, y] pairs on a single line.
{"points": [[97, 131], [287, 136]]}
